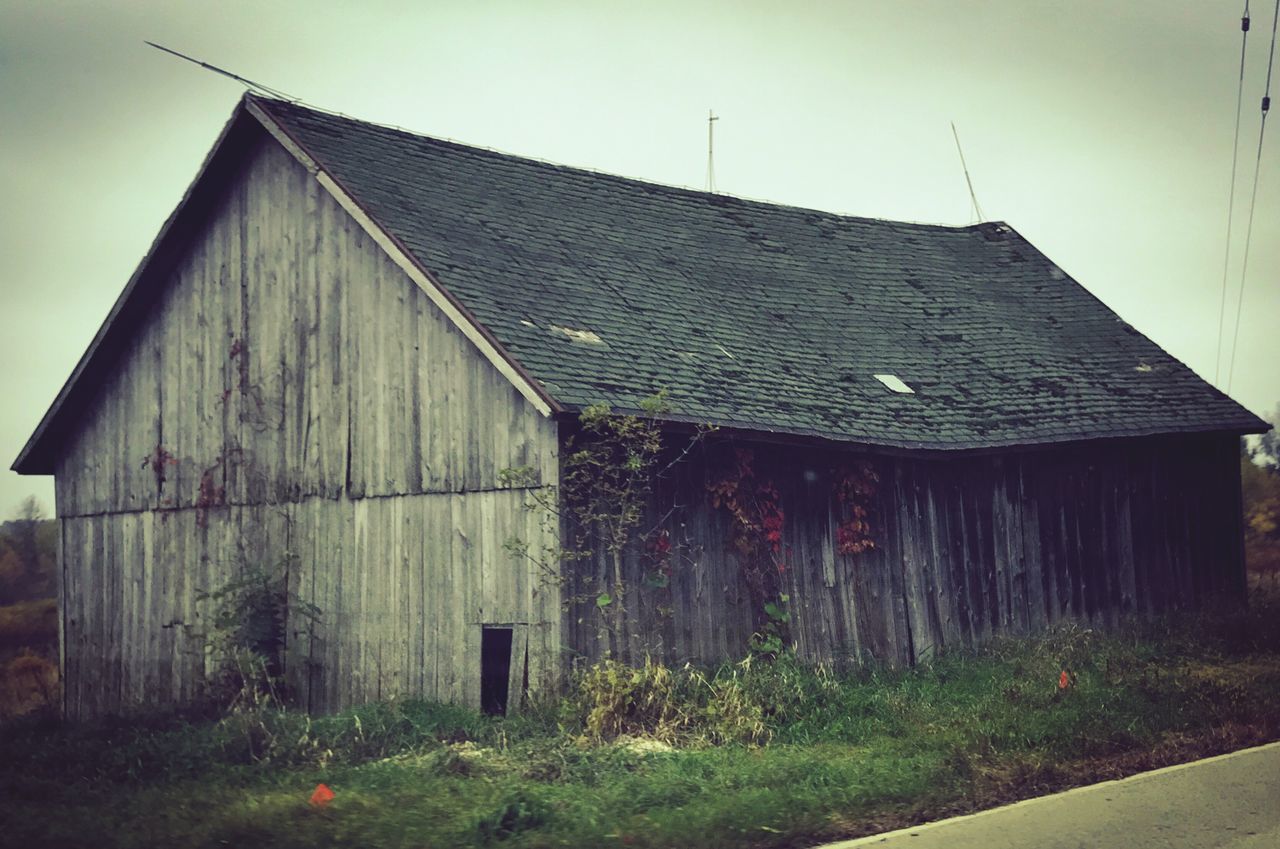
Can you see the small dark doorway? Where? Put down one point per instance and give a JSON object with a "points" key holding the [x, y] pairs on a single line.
{"points": [[495, 670]]}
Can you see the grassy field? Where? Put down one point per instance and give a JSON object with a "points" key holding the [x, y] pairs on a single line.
{"points": [[753, 754], [28, 657]]}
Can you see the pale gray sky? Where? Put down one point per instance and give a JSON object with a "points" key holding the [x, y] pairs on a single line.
{"points": [[1100, 130]]}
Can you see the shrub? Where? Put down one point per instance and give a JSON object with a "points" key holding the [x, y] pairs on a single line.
{"points": [[28, 683], [685, 705], [518, 811]]}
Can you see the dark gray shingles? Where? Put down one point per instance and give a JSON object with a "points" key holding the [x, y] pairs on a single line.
{"points": [[763, 316]]}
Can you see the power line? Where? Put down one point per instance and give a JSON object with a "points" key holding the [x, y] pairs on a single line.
{"points": [[1257, 168], [276, 93], [1231, 198]]}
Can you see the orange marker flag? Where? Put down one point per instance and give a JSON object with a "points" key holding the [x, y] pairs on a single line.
{"points": [[322, 796], [1064, 681]]}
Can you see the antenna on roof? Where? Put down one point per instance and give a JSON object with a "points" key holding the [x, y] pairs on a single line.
{"points": [[977, 210], [265, 89], [711, 164]]}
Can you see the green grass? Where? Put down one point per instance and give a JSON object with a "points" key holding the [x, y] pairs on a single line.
{"points": [[758, 754]]}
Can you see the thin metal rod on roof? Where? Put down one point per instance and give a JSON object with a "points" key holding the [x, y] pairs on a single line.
{"points": [[265, 89], [977, 210], [711, 165]]}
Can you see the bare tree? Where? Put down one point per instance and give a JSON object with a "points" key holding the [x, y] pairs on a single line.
{"points": [[30, 515], [31, 510], [1266, 451]]}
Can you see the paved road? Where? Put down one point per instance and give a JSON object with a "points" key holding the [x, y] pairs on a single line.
{"points": [[1228, 802]]}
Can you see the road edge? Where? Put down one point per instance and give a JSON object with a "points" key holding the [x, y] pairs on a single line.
{"points": [[871, 839]]}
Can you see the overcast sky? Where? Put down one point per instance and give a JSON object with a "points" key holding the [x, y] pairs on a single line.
{"points": [[1100, 130]]}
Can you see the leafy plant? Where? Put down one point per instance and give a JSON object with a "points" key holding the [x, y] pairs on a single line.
{"points": [[608, 470], [770, 640], [248, 634], [517, 812]]}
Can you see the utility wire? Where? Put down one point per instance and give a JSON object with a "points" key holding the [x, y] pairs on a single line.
{"points": [[1257, 168], [1231, 198], [273, 92]]}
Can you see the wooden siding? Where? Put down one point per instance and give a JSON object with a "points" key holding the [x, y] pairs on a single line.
{"points": [[314, 410], [404, 585], [966, 548], [289, 357]]}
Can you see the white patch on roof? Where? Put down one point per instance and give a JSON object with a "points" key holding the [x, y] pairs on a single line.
{"points": [[894, 383], [1143, 367], [725, 351], [527, 323], [585, 337]]}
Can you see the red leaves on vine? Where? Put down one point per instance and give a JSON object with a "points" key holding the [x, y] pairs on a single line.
{"points": [[756, 523], [159, 461], [854, 487], [658, 547], [210, 494]]}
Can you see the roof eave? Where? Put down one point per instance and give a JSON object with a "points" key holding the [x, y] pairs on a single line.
{"points": [[766, 433]]}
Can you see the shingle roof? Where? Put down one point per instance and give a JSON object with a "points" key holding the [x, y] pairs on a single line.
{"points": [[763, 316]]}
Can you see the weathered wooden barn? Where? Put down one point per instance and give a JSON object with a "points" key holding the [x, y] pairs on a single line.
{"points": [[346, 334]]}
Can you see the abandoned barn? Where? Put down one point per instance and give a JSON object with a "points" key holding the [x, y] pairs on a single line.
{"points": [[356, 361]]}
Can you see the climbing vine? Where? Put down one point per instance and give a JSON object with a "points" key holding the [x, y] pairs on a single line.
{"points": [[756, 524], [211, 494], [607, 474], [600, 510], [854, 487], [160, 461], [756, 521]]}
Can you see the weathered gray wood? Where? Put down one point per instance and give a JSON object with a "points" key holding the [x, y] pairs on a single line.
{"points": [[278, 307], [965, 548], [296, 400], [519, 667]]}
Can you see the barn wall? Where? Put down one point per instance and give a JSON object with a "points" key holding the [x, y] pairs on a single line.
{"points": [[403, 584], [965, 549], [294, 401], [289, 357]]}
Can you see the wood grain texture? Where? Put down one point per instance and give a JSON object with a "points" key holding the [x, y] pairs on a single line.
{"points": [[296, 404], [966, 549], [288, 357]]}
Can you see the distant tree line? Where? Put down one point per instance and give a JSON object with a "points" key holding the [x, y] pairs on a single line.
{"points": [[1260, 489], [28, 555]]}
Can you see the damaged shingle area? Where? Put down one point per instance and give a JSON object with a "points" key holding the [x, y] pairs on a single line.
{"points": [[762, 316], [583, 337]]}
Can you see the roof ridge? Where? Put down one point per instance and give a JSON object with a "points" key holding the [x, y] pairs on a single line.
{"points": [[643, 182]]}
